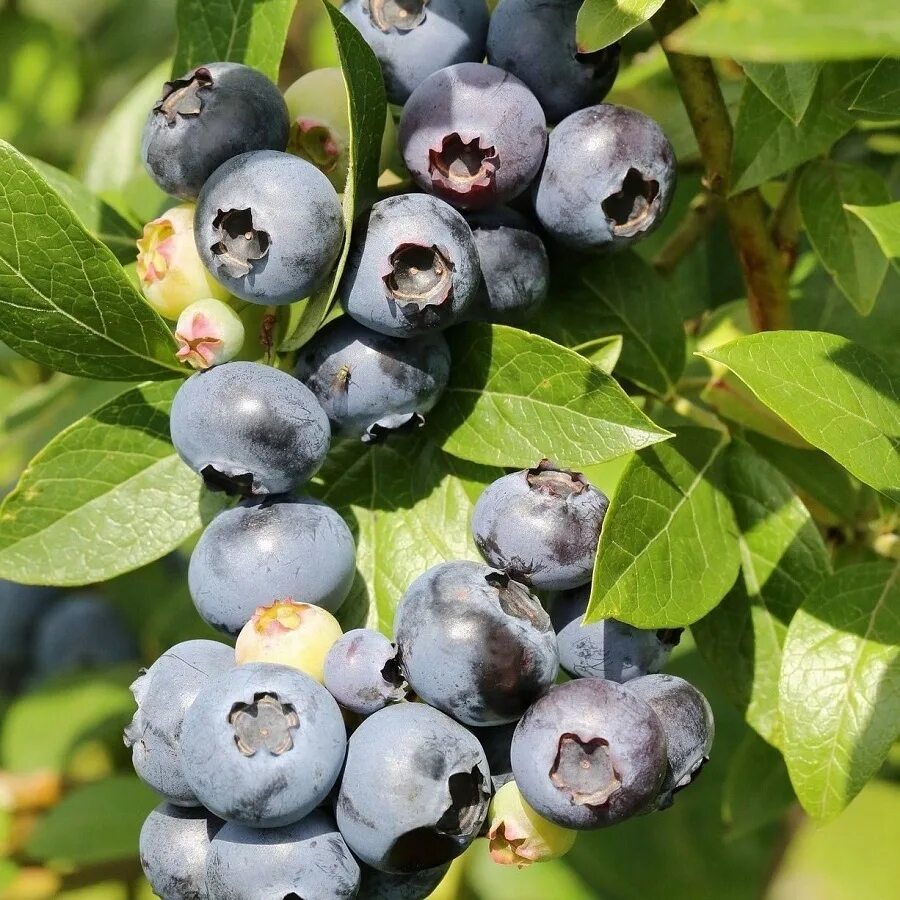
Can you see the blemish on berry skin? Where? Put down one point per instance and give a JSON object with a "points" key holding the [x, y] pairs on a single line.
{"points": [[240, 244], [183, 97]]}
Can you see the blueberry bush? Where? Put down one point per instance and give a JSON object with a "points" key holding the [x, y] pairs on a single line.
{"points": [[390, 392]]}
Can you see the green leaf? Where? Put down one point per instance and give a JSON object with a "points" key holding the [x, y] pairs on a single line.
{"points": [[838, 395], [775, 31], [884, 223], [845, 247], [65, 301], [668, 551], [603, 352], [409, 505], [224, 31], [514, 398], [879, 95], [601, 22], [840, 685], [368, 105], [789, 86], [97, 823], [782, 558], [101, 220], [619, 294], [105, 496]]}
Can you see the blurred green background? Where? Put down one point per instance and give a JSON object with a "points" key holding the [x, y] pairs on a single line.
{"points": [[76, 78]]}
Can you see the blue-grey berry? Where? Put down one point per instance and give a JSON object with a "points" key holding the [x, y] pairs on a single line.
{"points": [[263, 745], [363, 672], [496, 741], [376, 885], [21, 607]]}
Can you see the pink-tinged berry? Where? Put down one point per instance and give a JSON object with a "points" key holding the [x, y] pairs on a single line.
{"points": [[208, 333], [292, 634], [518, 836], [169, 269]]}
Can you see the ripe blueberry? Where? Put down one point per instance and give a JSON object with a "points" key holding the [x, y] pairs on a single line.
{"points": [[607, 180], [20, 611], [415, 789], [260, 551], [306, 859], [375, 885], [208, 333], [562, 78], [413, 38], [474, 643], [589, 754], [249, 429], [363, 673], [473, 134], [413, 267], [496, 741], [163, 694], [206, 117], [370, 384], [262, 745], [541, 526], [269, 227]]}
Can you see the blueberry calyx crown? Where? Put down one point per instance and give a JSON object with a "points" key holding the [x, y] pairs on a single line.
{"points": [[464, 170], [238, 485], [401, 15], [517, 601], [182, 97], [629, 208], [264, 724], [240, 245], [419, 276], [583, 770], [548, 478]]}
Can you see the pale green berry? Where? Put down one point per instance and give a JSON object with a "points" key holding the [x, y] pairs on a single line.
{"points": [[208, 332], [518, 836]]}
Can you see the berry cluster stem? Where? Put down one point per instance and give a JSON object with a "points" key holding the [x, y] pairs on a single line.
{"points": [[764, 273]]}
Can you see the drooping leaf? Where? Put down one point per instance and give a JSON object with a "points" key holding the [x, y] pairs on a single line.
{"points": [[601, 22], [789, 86], [840, 685], [514, 398], [836, 394], [105, 496], [879, 95], [668, 549], [65, 301], [782, 558], [884, 223]]}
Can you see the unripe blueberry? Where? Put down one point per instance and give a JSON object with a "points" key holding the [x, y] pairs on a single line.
{"points": [[171, 274], [208, 333], [519, 836], [292, 634]]}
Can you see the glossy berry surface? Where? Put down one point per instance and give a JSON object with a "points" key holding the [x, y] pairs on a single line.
{"points": [[413, 38], [415, 789], [363, 673], [206, 117], [208, 333], [174, 845], [473, 135], [562, 78], [541, 526], [260, 550], [607, 180], [687, 720], [306, 859], [589, 754], [371, 384], [474, 643], [269, 227], [609, 648], [413, 267], [248, 428], [163, 695], [263, 745], [375, 885]]}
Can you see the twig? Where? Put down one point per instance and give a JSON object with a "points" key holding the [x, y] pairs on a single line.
{"points": [[704, 209], [785, 223]]}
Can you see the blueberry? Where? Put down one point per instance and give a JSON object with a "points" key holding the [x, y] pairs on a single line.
{"points": [[260, 551], [269, 227], [514, 266], [21, 607], [370, 384], [376, 885], [413, 267], [496, 741], [562, 78], [362, 672], [206, 117], [415, 789], [413, 38], [609, 648], [82, 631], [607, 180], [263, 745], [163, 694], [688, 723], [249, 429], [589, 754], [473, 134], [306, 859], [174, 845], [541, 526], [475, 644]]}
